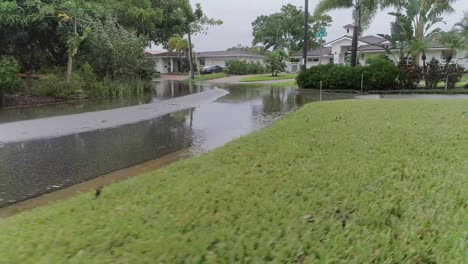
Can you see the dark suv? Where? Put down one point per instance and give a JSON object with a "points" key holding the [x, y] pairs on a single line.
{"points": [[211, 69]]}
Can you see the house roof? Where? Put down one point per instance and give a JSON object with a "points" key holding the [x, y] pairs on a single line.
{"points": [[349, 26], [228, 53], [324, 52], [371, 48], [167, 54], [372, 39], [348, 37]]}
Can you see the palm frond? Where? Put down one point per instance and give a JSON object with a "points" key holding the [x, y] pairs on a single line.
{"points": [[328, 5]]}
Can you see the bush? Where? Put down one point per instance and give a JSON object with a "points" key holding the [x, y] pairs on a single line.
{"points": [[434, 74], [455, 74], [85, 84], [55, 85], [238, 67], [9, 69], [381, 75], [410, 74]]}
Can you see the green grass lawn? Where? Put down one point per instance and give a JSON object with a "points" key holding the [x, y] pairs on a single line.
{"points": [[337, 182], [208, 77], [268, 77]]}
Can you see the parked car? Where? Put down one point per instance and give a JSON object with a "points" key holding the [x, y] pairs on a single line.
{"points": [[211, 69]]}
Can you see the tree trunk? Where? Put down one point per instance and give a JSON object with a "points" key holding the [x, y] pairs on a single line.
{"points": [[190, 57], [306, 33], [69, 65], [447, 69], [424, 61], [354, 47], [2, 99]]}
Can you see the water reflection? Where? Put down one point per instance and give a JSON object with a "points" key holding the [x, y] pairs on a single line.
{"points": [[28, 169]]}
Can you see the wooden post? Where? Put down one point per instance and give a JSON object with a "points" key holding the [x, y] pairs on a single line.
{"points": [[362, 83], [320, 91]]}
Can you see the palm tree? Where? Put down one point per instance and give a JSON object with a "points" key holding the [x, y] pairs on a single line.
{"points": [[453, 41], [423, 15], [363, 12]]}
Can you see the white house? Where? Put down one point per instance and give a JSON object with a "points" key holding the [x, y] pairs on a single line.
{"points": [[338, 50], [170, 62]]}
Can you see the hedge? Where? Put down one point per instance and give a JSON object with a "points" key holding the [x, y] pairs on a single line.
{"points": [[379, 75], [238, 67]]}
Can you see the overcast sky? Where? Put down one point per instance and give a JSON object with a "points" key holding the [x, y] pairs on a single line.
{"points": [[238, 16]]}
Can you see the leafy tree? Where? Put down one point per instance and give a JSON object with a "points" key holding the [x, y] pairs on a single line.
{"points": [[363, 13], [285, 29], [114, 52], [275, 61], [196, 22]]}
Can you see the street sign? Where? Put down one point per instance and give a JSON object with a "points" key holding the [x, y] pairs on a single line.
{"points": [[322, 33]]}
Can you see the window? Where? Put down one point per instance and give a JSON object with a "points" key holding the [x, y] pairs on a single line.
{"points": [[316, 60], [347, 31]]}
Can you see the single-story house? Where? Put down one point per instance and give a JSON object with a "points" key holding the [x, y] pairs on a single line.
{"points": [[338, 50], [170, 62]]}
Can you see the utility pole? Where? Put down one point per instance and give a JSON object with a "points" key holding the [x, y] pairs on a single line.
{"points": [[357, 27], [306, 31]]}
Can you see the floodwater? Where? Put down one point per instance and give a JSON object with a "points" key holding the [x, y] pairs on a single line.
{"points": [[162, 91], [33, 168]]}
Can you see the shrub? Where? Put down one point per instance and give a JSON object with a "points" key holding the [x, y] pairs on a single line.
{"points": [[55, 85], [455, 74], [238, 67], [410, 74], [434, 74], [9, 69], [381, 74]]}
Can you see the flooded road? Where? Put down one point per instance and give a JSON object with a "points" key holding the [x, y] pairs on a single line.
{"points": [[32, 168], [162, 91]]}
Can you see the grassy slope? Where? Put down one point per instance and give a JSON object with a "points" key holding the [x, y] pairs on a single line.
{"points": [[349, 182], [213, 76], [268, 77]]}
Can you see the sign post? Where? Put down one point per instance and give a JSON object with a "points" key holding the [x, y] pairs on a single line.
{"points": [[320, 35]]}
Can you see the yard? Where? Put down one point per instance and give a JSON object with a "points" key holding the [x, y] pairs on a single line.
{"points": [[336, 182], [268, 77], [212, 76]]}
